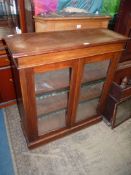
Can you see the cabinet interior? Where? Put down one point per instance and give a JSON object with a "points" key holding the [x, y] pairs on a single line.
{"points": [[52, 89]]}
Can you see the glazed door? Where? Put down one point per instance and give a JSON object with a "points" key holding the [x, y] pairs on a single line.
{"points": [[53, 86], [91, 85]]}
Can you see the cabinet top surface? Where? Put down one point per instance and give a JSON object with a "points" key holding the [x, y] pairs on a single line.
{"points": [[27, 44]]}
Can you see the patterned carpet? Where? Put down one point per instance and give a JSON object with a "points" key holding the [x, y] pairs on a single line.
{"points": [[91, 151]]}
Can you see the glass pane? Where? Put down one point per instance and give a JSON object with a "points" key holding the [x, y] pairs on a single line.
{"points": [[88, 101], [86, 109], [52, 93], [91, 88], [50, 122], [49, 103], [95, 71], [123, 111], [52, 81]]}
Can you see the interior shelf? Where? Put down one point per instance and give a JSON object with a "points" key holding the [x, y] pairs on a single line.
{"points": [[90, 91], [60, 79], [58, 101], [48, 104]]}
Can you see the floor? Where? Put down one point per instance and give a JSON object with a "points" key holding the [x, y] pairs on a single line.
{"points": [[95, 150]]}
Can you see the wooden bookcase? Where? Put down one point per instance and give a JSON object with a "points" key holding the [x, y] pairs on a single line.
{"points": [[62, 79]]}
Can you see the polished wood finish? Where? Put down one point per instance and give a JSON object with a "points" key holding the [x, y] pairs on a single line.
{"points": [[69, 51], [120, 92], [4, 61], [7, 92], [119, 96], [22, 15], [123, 26], [46, 24], [56, 42]]}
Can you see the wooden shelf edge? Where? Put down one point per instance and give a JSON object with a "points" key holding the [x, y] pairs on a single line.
{"points": [[87, 16], [66, 88], [56, 89], [9, 103], [64, 107]]}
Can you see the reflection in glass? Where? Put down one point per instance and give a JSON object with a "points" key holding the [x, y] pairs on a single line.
{"points": [[91, 88], [52, 93]]}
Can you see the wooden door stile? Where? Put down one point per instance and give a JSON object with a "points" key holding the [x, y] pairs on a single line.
{"points": [[28, 97]]}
